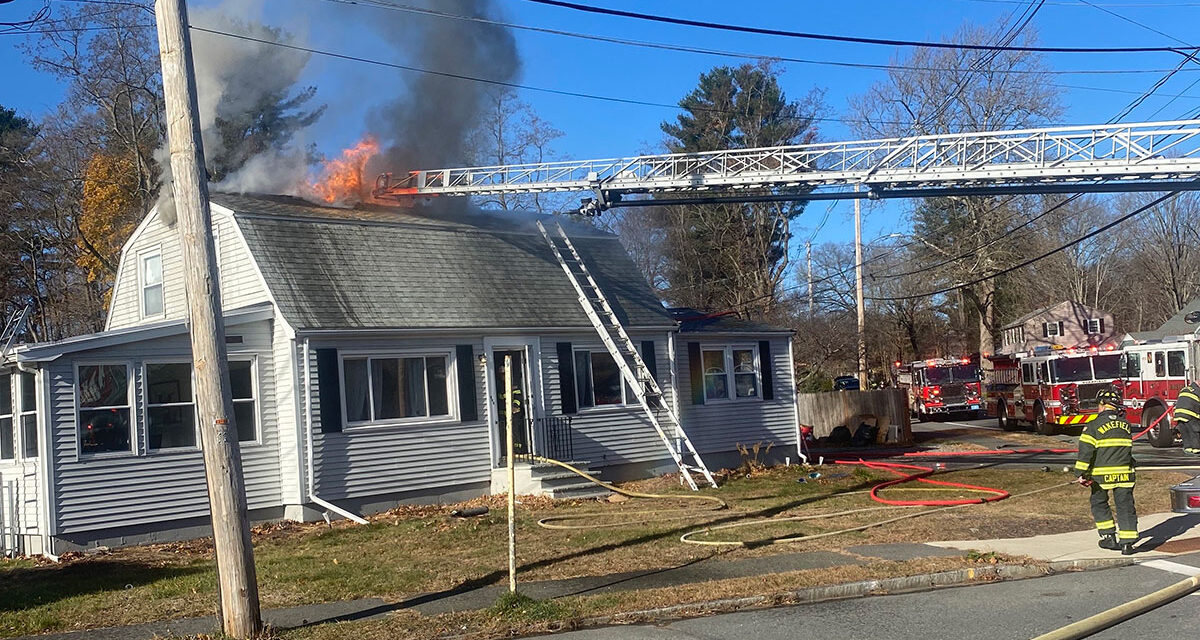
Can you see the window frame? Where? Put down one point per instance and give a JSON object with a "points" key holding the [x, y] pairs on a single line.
{"points": [[1182, 362], [628, 398], [146, 404], [256, 397], [1099, 326], [731, 375], [12, 418], [130, 403], [452, 407], [20, 412], [143, 286]]}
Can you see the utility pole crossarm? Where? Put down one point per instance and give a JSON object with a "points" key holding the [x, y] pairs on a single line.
{"points": [[1057, 158]]}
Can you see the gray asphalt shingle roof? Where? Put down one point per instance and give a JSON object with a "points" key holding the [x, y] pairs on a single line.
{"points": [[1176, 325], [433, 267]]}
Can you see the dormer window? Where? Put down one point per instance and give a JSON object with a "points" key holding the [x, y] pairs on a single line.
{"points": [[152, 285], [1095, 326]]}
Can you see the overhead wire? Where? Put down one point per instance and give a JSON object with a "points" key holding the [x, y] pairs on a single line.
{"points": [[892, 42]]}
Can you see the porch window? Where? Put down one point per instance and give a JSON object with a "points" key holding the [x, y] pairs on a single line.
{"points": [[170, 408], [103, 410], [7, 448], [397, 388], [245, 402], [152, 285], [598, 380], [28, 417]]}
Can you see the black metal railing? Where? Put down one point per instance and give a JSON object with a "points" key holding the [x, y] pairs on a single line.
{"points": [[557, 438], [549, 437]]}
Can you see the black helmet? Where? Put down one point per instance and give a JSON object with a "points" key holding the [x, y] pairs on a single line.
{"points": [[1108, 396]]}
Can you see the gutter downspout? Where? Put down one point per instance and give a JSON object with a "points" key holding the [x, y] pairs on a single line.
{"points": [[308, 429]]}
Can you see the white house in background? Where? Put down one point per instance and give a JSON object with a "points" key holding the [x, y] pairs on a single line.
{"points": [[363, 347]]}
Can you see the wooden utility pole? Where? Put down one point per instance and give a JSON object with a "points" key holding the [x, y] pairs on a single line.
{"points": [[858, 292], [512, 477], [236, 578]]}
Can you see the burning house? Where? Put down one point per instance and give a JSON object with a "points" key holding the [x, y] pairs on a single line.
{"points": [[363, 345]]}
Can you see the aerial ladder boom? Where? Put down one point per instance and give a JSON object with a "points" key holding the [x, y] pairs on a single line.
{"points": [[1154, 156]]}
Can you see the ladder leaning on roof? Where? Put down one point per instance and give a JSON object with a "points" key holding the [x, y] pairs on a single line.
{"points": [[12, 328], [623, 351]]}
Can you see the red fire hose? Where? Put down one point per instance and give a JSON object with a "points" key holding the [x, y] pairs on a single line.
{"points": [[922, 475]]}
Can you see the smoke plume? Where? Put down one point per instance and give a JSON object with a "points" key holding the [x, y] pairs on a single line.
{"points": [[429, 125]]}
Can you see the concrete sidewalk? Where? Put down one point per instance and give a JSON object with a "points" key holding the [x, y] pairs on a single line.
{"points": [[1156, 529]]}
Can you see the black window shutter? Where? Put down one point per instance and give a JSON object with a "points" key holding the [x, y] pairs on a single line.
{"points": [[696, 368], [1060, 327], [468, 410], [329, 387], [566, 377], [1101, 326], [768, 368], [649, 359], [1045, 329]]}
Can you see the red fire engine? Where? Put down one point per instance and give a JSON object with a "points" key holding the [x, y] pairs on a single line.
{"points": [[941, 387], [1153, 374], [1050, 386]]}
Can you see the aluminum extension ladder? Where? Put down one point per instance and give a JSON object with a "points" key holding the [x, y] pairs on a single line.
{"points": [[12, 328], [623, 351]]}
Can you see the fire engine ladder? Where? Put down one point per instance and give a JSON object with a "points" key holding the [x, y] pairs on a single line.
{"points": [[12, 328], [1153, 156], [623, 352]]}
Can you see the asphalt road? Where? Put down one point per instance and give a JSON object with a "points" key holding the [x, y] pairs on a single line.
{"points": [[1002, 610], [982, 432]]}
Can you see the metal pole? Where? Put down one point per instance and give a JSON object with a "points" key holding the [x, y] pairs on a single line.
{"points": [[512, 477], [236, 578], [858, 292], [808, 258]]}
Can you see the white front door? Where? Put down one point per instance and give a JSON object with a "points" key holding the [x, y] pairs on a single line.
{"points": [[527, 385]]}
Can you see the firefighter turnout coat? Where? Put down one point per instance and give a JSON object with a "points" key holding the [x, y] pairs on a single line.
{"points": [[1187, 415], [1106, 451]]}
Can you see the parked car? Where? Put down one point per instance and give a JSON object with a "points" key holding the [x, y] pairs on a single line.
{"points": [[845, 383]]}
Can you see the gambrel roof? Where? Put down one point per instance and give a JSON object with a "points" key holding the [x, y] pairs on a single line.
{"points": [[441, 266]]}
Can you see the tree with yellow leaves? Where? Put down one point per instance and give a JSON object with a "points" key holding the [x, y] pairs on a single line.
{"points": [[109, 212]]}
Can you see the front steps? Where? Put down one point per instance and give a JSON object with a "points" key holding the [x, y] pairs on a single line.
{"points": [[544, 479]]}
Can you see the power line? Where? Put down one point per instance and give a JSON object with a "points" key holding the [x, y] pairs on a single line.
{"points": [[847, 39], [1063, 247], [392, 6]]}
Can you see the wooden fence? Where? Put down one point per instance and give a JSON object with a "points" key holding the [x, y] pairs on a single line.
{"points": [[824, 411]]}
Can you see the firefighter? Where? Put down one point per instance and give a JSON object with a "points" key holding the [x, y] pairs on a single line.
{"points": [[1187, 417], [1105, 464]]}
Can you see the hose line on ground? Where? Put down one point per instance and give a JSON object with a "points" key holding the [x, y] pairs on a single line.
{"points": [[1121, 613], [655, 515]]}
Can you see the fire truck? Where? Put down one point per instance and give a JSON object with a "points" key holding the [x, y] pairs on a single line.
{"points": [[1153, 372], [941, 386], [1050, 386]]}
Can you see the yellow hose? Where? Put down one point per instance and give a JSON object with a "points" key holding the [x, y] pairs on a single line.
{"points": [[1119, 614], [650, 515]]}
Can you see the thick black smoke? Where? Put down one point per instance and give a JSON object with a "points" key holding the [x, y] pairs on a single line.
{"points": [[430, 124]]}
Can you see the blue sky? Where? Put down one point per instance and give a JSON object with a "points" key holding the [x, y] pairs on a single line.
{"points": [[603, 129]]}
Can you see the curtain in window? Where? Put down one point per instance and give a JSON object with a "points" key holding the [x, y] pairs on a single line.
{"points": [[355, 370]]}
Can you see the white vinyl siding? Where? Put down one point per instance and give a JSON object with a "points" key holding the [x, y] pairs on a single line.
{"points": [[422, 456], [140, 489], [720, 426], [151, 280], [241, 284]]}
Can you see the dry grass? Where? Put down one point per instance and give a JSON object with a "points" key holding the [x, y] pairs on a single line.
{"points": [[420, 549]]}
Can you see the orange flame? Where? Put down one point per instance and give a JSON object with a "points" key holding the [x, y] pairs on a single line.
{"points": [[343, 180]]}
